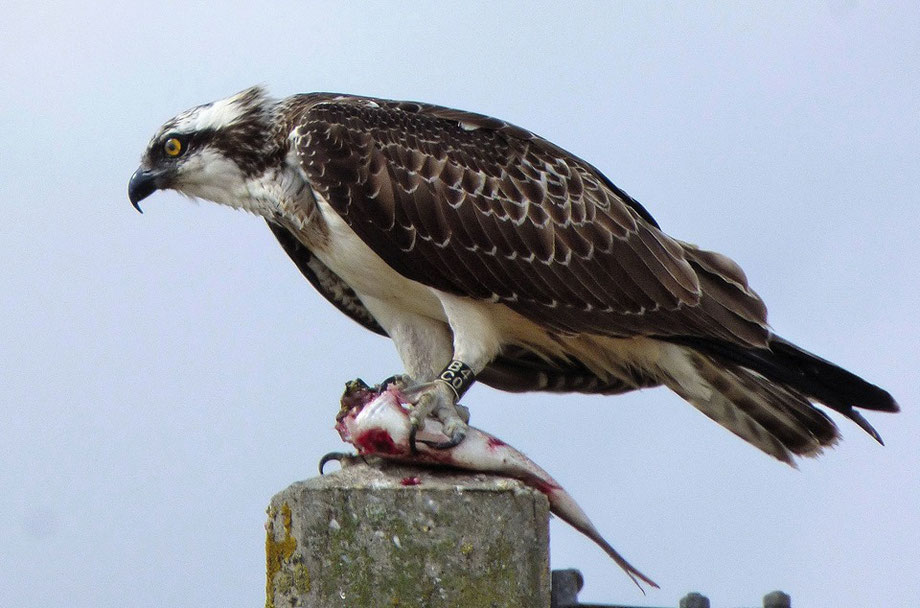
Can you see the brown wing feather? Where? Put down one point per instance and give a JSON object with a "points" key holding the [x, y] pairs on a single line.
{"points": [[474, 206], [515, 369]]}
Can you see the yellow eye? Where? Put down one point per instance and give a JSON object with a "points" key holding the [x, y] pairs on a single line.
{"points": [[172, 147]]}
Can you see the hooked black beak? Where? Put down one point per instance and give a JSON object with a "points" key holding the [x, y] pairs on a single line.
{"points": [[143, 183]]}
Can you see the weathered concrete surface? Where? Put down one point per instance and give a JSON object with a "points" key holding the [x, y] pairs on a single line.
{"points": [[370, 536]]}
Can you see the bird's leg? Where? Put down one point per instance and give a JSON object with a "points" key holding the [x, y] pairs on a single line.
{"points": [[467, 342], [475, 341], [440, 399]]}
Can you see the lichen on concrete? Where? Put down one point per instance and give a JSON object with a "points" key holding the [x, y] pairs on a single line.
{"points": [[463, 540], [277, 552]]}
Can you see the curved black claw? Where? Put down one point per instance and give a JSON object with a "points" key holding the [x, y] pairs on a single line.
{"points": [[339, 456], [401, 381], [389, 380], [455, 439], [413, 448]]}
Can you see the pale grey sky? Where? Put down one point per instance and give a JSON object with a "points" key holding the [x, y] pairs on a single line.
{"points": [[161, 376]]}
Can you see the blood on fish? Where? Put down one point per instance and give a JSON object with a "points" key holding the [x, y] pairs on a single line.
{"points": [[376, 441], [495, 442], [371, 427], [542, 486]]}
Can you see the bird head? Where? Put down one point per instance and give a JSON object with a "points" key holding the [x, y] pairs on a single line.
{"points": [[212, 151]]}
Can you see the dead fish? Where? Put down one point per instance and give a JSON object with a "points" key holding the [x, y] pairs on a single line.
{"points": [[377, 424]]}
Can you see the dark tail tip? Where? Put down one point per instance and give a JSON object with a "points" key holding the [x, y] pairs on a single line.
{"points": [[787, 364], [831, 384]]}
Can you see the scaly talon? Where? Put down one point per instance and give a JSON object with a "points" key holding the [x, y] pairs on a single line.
{"points": [[437, 400], [463, 412]]}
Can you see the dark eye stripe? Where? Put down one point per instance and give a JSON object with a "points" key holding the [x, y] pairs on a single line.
{"points": [[187, 142]]}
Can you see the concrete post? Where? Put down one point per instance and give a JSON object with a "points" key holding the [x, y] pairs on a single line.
{"points": [[394, 535]]}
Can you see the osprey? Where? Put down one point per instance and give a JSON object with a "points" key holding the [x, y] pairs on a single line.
{"points": [[484, 251]]}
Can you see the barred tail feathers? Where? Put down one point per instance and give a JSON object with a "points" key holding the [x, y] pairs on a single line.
{"points": [[765, 395]]}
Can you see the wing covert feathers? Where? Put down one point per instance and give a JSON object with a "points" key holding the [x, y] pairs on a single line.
{"points": [[477, 207], [516, 369]]}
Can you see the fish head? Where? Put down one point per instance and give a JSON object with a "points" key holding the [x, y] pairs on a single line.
{"points": [[376, 423]]}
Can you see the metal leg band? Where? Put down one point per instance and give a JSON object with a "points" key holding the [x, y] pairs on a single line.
{"points": [[458, 376]]}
